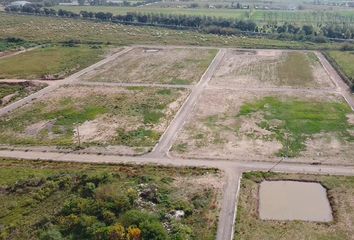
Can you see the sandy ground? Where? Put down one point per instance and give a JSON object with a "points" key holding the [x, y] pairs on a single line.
{"points": [[158, 65], [258, 68], [290, 200], [213, 131]]}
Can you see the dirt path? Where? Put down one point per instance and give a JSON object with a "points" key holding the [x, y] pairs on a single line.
{"points": [[337, 80], [278, 89], [69, 80], [177, 123], [19, 52], [153, 85]]}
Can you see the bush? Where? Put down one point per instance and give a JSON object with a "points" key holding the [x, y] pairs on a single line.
{"points": [[51, 234], [136, 218], [153, 231]]}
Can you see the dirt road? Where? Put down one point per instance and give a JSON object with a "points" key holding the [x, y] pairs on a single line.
{"points": [[57, 84], [169, 135], [153, 85]]}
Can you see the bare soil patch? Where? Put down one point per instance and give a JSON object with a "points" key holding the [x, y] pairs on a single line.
{"points": [[271, 68], [160, 65]]}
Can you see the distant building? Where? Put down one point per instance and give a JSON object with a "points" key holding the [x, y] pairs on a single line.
{"points": [[18, 4], [73, 3]]}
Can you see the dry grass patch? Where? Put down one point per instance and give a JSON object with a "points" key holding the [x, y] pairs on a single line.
{"points": [[271, 68], [340, 191], [170, 66], [133, 118]]}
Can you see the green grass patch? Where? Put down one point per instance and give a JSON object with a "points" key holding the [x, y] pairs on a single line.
{"points": [[340, 191], [139, 137], [47, 200], [299, 120], [49, 62]]}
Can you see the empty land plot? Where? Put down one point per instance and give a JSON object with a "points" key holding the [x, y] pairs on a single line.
{"points": [[53, 62], [170, 66], [10, 92], [131, 118], [340, 192], [245, 126], [271, 68], [39, 200]]}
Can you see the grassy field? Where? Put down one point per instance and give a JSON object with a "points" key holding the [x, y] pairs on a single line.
{"points": [[344, 60], [44, 29], [52, 62], [14, 91], [300, 17], [46, 200], [134, 117], [250, 227], [292, 121], [170, 66]]}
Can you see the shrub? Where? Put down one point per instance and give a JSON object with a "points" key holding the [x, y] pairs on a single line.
{"points": [[153, 230], [136, 218], [51, 234]]}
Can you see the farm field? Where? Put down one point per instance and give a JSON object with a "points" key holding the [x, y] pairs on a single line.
{"points": [[340, 192], [271, 68], [301, 17], [261, 125], [44, 29], [46, 200], [52, 62], [125, 120], [10, 92], [156, 65], [344, 61]]}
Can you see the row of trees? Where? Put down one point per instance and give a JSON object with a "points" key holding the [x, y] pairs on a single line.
{"points": [[208, 24]]}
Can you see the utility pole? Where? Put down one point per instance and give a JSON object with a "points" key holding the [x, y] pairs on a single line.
{"points": [[78, 135], [286, 135]]}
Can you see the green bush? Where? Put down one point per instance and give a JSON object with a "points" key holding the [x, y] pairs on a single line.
{"points": [[51, 234], [153, 230]]}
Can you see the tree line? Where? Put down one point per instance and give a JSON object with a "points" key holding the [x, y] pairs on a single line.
{"points": [[207, 24]]}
